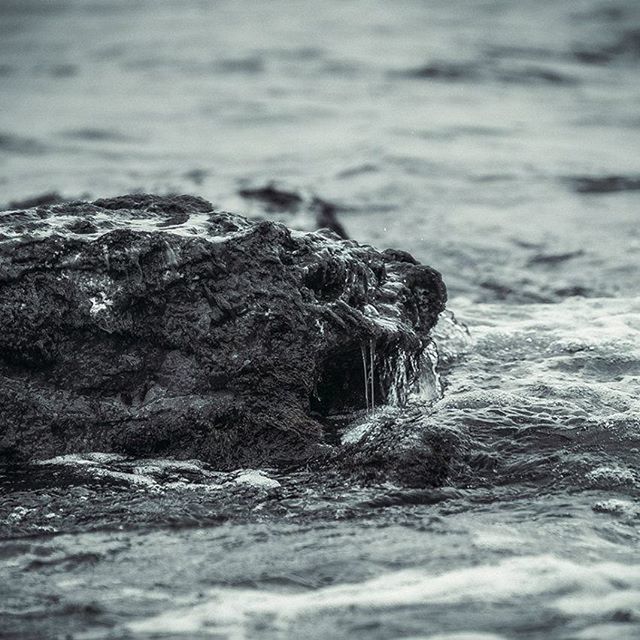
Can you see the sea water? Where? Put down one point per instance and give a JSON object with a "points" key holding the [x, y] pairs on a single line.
{"points": [[499, 142]]}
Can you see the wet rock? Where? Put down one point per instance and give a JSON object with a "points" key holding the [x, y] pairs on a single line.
{"points": [[403, 447], [443, 71], [572, 291], [327, 217], [604, 184], [489, 70], [147, 325], [273, 197], [51, 197], [320, 213], [553, 259]]}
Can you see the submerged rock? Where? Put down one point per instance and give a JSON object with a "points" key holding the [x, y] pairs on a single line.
{"points": [[147, 325], [604, 184], [401, 446], [311, 211], [327, 217], [51, 197], [490, 70], [273, 197]]}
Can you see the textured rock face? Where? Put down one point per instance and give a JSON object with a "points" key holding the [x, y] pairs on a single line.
{"points": [[151, 325]]}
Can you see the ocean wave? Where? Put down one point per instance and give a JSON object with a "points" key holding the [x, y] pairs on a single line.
{"points": [[576, 596], [540, 385]]}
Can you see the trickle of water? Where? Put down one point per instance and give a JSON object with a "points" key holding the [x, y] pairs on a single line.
{"points": [[429, 386], [369, 370], [398, 375], [409, 376], [365, 374], [372, 372]]}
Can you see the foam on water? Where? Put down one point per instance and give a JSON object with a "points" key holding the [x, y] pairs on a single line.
{"points": [[254, 478], [161, 474], [540, 384], [586, 594]]}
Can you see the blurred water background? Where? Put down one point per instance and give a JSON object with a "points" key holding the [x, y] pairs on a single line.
{"points": [[496, 140]]}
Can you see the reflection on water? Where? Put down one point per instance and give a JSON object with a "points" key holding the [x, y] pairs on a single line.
{"points": [[498, 141]]}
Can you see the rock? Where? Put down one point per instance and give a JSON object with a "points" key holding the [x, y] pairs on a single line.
{"points": [[51, 197], [402, 446], [553, 259], [442, 71], [320, 213], [490, 70], [147, 326], [327, 217], [273, 197], [604, 184]]}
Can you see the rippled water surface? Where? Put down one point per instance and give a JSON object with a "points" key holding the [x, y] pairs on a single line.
{"points": [[498, 141]]}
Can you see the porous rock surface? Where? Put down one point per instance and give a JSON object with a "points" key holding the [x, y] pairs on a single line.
{"points": [[150, 325]]}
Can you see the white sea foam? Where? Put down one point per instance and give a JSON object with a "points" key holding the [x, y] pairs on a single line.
{"points": [[92, 458], [163, 473], [584, 591], [559, 365], [256, 478]]}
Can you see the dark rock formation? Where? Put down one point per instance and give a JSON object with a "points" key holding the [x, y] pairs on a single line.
{"points": [[487, 71], [553, 259], [327, 217], [604, 184], [322, 214], [149, 325], [51, 197], [273, 198], [443, 71]]}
